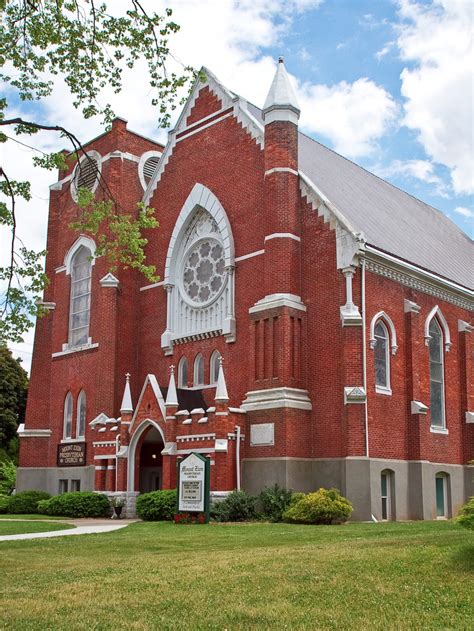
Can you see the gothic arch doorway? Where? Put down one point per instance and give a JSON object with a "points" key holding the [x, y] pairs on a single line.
{"points": [[145, 463], [150, 460]]}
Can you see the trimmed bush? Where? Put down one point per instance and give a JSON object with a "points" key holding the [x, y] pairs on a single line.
{"points": [[237, 506], [465, 517], [322, 507], [157, 505], [26, 502], [274, 501], [76, 504], [4, 503]]}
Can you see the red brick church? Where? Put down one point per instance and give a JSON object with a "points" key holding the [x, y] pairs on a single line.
{"points": [[311, 325]]}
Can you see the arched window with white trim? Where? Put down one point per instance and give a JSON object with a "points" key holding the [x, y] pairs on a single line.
{"points": [[199, 370], [214, 367], [67, 421], [183, 372], [199, 272], [435, 346], [79, 312], [81, 415], [383, 340]]}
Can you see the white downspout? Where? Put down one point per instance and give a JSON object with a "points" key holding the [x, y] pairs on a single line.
{"points": [[117, 441], [364, 362], [237, 455]]}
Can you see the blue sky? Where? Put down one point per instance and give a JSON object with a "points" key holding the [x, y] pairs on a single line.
{"points": [[386, 83]]}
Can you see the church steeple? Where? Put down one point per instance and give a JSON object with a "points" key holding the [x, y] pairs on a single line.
{"points": [[221, 390], [281, 103], [171, 396]]}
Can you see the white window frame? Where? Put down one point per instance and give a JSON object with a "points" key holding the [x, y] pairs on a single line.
{"points": [[68, 421], [214, 367], [141, 165], [191, 322], [81, 401], [90, 154], [183, 362], [198, 367], [385, 320], [445, 478], [71, 344], [435, 427]]}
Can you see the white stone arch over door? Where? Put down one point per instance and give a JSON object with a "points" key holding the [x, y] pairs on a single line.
{"points": [[202, 220]]}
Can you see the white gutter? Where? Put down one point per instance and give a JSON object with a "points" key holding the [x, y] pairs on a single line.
{"points": [[364, 360], [237, 455]]}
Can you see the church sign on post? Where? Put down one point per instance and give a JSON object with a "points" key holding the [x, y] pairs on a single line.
{"points": [[194, 485]]}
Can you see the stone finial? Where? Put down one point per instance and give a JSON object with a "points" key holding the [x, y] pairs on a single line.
{"points": [[127, 407], [172, 395], [221, 390], [281, 103]]}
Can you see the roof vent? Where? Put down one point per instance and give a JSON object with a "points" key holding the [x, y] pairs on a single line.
{"points": [[147, 166], [87, 173]]}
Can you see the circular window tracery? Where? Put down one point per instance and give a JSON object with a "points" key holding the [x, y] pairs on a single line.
{"points": [[203, 271]]}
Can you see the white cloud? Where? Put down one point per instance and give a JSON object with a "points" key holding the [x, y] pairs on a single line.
{"points": [[422, 170], [438, 39], [383, 52], [464, 212], [354, 116]]}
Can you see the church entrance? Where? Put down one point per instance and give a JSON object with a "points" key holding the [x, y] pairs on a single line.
{"points": [[151, 462]]}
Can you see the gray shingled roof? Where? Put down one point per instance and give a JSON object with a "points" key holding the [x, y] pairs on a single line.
{"points": [[390, 219]]}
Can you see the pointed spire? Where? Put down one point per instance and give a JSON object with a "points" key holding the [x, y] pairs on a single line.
{"points": [[127, 406], [172, 395], [221, 390], [281, 103]]}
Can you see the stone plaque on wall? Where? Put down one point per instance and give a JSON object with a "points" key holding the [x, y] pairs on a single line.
{"points": [[262, 434], [71, 454]]}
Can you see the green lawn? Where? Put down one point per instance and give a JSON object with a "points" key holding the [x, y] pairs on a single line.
{"points": [[270, 576], [20, 527], [30, 517]]}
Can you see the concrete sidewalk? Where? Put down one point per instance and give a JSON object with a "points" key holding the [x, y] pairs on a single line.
{"points": [[83, 527]]}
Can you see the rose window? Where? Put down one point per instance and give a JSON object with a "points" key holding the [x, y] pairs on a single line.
{"points": [[203, 271]]}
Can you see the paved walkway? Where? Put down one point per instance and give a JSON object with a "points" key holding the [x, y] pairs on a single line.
{"points": [[83, 527]]}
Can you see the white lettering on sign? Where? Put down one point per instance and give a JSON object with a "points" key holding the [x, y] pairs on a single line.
{"points": [[192, 473], [262, 434]]}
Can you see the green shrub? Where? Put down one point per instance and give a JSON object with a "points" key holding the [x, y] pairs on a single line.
{"points": [[77, 504], [7, 476], [466, 515], [26, 502], [237, 506], [157, 505], [274, 501], [4, 504], [296, 497], [322, 507]]}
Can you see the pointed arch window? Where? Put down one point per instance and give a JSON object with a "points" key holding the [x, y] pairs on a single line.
{"points": [[79, 312], [435, 345], [214, 367], [383, 340], [183, 372], [67, 425], [199, 370], [81, 415]]}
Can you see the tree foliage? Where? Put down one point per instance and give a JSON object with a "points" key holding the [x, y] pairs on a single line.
{"points": [[89, 47], [13, 392]]}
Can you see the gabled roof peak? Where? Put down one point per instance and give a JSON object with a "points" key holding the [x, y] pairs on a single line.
{"points": [[281, 96]]}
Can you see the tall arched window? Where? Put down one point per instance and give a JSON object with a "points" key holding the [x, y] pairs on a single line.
{"points": [[214, 367], [183, 373], [81, 415], [199, 370], [79, 313], [67, 426], [435, 345], [382, 357], [383, 339]]}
